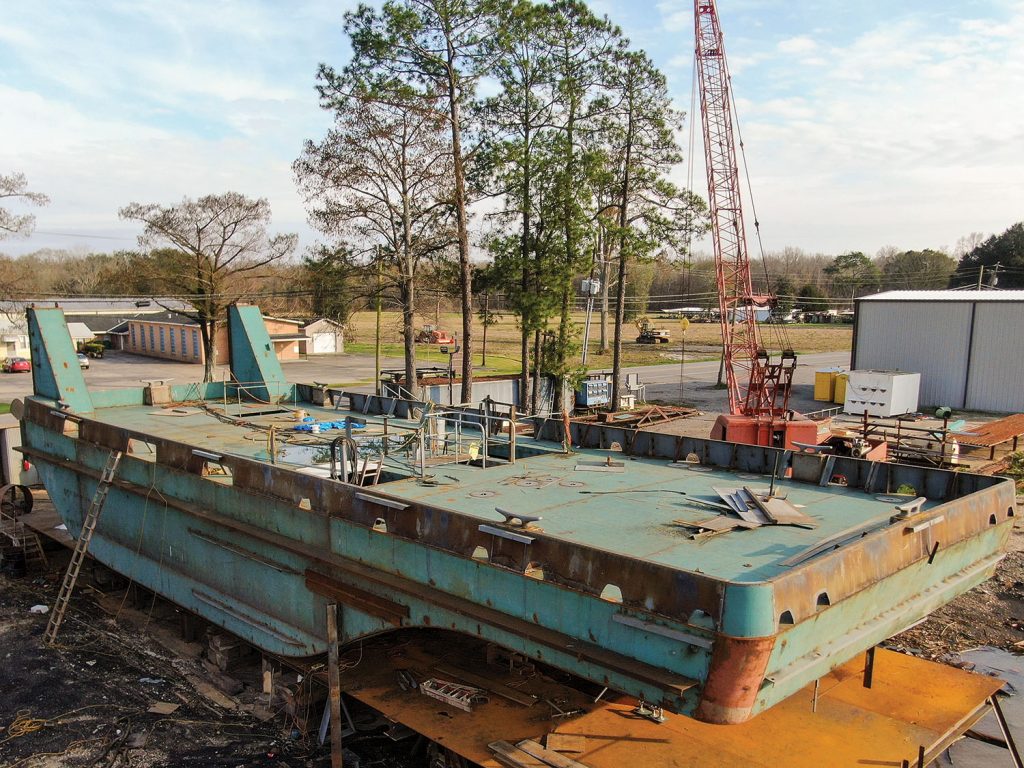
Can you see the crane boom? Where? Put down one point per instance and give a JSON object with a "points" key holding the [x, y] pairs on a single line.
{"points": [[757, 387]]}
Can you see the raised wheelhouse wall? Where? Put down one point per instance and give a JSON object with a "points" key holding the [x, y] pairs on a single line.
{"points": [[262, 551]]}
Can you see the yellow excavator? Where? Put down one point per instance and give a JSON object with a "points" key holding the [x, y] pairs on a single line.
{"points": [[649, 334]]}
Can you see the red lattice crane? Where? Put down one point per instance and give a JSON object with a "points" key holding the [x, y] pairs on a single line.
{"points": [[758, 387]]}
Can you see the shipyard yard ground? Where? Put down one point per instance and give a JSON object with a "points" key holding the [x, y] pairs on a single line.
{"points": [[88, 701], [101, 697]]}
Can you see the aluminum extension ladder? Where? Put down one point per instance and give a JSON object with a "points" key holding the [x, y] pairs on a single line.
{"points": [[92, 516]]}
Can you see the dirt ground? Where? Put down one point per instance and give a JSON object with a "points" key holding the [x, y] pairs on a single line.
{"points": [[87, 701]]}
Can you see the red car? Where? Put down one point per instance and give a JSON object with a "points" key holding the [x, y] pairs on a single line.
{"points": [[17, 365]]}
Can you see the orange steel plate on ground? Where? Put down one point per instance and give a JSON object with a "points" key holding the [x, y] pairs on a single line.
{"points": [[911, 703]]}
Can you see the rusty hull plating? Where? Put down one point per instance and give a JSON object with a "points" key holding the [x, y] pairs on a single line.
{"points": [[719, 629]]}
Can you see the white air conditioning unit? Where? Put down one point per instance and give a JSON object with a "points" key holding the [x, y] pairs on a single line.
{"points": [[882, 393]]}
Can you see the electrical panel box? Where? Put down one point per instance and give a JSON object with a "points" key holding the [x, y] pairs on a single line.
{"points": [[594, 392], [881, 393]]}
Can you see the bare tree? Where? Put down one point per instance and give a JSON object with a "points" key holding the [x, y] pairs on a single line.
{"points": [[216, 242], [380, 184], [15, 187], [441, 47]]}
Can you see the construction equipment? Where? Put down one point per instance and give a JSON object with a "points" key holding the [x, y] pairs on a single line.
{"points": [[92, 516], [431, 334], [758, 385], [649, 334], [92, 348]]}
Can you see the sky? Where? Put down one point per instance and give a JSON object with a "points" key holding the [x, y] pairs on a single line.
{"points": [[866, 124]]}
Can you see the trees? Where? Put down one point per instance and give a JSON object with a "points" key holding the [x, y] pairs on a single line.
{"points": [[516, 122], [811, 299], [916, 270], [852, 274], [15, 187], [641, 149], [214, 243], [440, 47], [785, 297], [1005, 250], [379, 184], [331, 279]]}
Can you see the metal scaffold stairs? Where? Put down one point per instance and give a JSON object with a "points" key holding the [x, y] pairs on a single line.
{"points": [[15, 536], [92, 516]]}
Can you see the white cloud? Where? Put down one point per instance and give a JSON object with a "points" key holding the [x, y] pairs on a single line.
{"points": [[910, 134], [676, 15], [106, 104], [797, 45]]}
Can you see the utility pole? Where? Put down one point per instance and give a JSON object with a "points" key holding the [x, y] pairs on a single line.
{"points": [[684, 323], [591, 287], [981, 274], [376, 344]]}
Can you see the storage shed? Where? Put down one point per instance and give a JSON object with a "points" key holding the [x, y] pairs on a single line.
{"points": [[968, 346], [324, 337]]}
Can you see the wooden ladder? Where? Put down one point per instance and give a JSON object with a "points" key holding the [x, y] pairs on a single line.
{"points": [[92, 516]]}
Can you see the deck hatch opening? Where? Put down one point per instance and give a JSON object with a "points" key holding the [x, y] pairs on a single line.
{"points": [[142, 449], [534, 571], [612, 593]]}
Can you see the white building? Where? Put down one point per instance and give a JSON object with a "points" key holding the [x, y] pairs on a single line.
{"points": [[325, 337], [968, 346]]}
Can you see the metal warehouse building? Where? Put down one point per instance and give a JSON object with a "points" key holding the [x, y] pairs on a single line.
{"points": [[968, 346]]}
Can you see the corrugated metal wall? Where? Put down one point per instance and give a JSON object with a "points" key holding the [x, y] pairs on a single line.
{"points": [[922, 337], [997, 358], [933, 339]]}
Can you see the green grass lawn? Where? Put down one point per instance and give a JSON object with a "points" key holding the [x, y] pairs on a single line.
{"points": [[431, 355], [5, 407]]}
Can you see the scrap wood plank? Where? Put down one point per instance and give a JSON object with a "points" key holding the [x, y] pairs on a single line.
{"points": [[720, 523], [554, 759], [487, 684], [513, 757]]}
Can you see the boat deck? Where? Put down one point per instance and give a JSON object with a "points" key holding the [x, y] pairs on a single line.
{"points": [[632, 507]]}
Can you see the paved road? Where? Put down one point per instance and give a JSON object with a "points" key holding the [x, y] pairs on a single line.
{"points": [[120, 369]]}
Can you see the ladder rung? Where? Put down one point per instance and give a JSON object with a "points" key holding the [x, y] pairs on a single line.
{"points": [[84, 537]]}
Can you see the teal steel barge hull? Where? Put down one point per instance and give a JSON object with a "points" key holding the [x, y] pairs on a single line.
{"points": [[219, 507]]}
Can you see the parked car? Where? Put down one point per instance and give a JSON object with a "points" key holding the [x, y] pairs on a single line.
{"points": [[83, 361], [17, 365]]}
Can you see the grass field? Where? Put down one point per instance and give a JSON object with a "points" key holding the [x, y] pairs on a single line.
{"points": [[5, 407], [703, 341]]}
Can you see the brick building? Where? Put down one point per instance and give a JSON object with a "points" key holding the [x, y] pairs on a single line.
{"points": [[173, 336]]}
